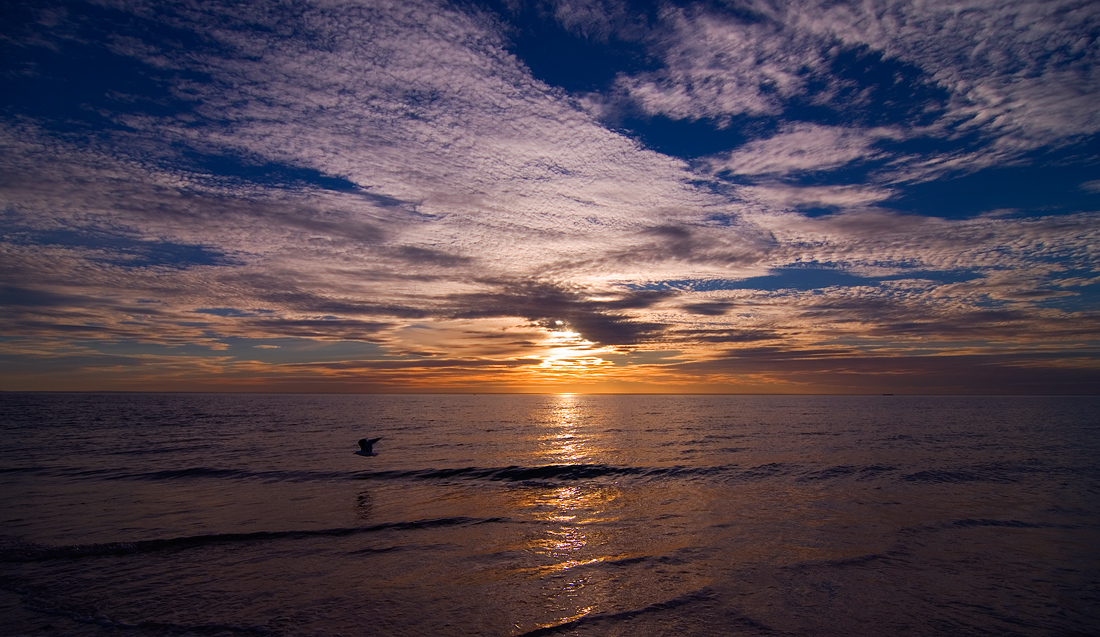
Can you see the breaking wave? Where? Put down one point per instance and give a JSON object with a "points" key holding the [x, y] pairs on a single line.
{"points": [[37, 553]]}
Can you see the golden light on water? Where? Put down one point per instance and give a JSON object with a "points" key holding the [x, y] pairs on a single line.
{"points": [[572, 514], [563, 441]]}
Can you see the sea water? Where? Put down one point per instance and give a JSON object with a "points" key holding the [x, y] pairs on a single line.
{"points": [[201, 514]]}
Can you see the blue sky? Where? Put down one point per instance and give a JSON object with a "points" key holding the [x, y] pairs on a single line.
{"points": [[550, 196]]}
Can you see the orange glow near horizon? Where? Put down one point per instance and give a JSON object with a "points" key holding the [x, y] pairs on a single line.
{"points": [[546, 360]]}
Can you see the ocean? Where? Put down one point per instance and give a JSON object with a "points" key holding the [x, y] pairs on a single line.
{"points": [[228, 514]]}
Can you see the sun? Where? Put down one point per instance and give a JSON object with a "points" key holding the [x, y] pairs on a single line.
{"points": [[568, 350]]}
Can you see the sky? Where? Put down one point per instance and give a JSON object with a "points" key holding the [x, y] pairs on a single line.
{"points": [[550, 196]]}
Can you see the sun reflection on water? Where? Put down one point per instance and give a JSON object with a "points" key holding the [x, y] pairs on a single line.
{"points": [[563, 441], [573, 516]]}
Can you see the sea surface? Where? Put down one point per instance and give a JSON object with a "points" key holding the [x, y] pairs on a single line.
{"points": [[201, 514]]}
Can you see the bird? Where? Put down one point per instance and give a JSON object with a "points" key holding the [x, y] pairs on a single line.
{"points": [[366, 446]]}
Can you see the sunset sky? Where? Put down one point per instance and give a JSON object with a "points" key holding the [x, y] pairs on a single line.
{"points": [[571, 196]]}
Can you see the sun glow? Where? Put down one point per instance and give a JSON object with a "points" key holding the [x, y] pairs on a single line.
{"points": [[568, 350]]}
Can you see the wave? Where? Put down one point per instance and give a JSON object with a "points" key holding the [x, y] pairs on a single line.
{"points": [[38, 553], [943, 476], [844, 471], [556, 472], [966, 523], [160, 627], [516, 473], [703, 594], [210, 472], [511, 473], [847, 562], [21, 469], [1015, 524], [997, 472], [118, 473], [993, 472]]}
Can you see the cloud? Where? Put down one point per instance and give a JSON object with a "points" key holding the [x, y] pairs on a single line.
{"points": [[396, 175], [1007, 77], [551, 305], [709, 308], [717, 67], [803, 148], [838, 371]]}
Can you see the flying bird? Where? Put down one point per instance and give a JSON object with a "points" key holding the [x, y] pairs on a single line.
{"points": [[366, 446]]}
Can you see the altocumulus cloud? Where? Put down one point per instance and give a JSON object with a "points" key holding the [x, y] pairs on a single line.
{"points": [[711, 197]]}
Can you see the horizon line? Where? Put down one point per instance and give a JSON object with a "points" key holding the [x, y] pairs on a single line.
{"points": [[528, 393]]}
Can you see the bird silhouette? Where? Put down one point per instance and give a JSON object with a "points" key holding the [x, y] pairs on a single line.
{"points": [[366, 446]]}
